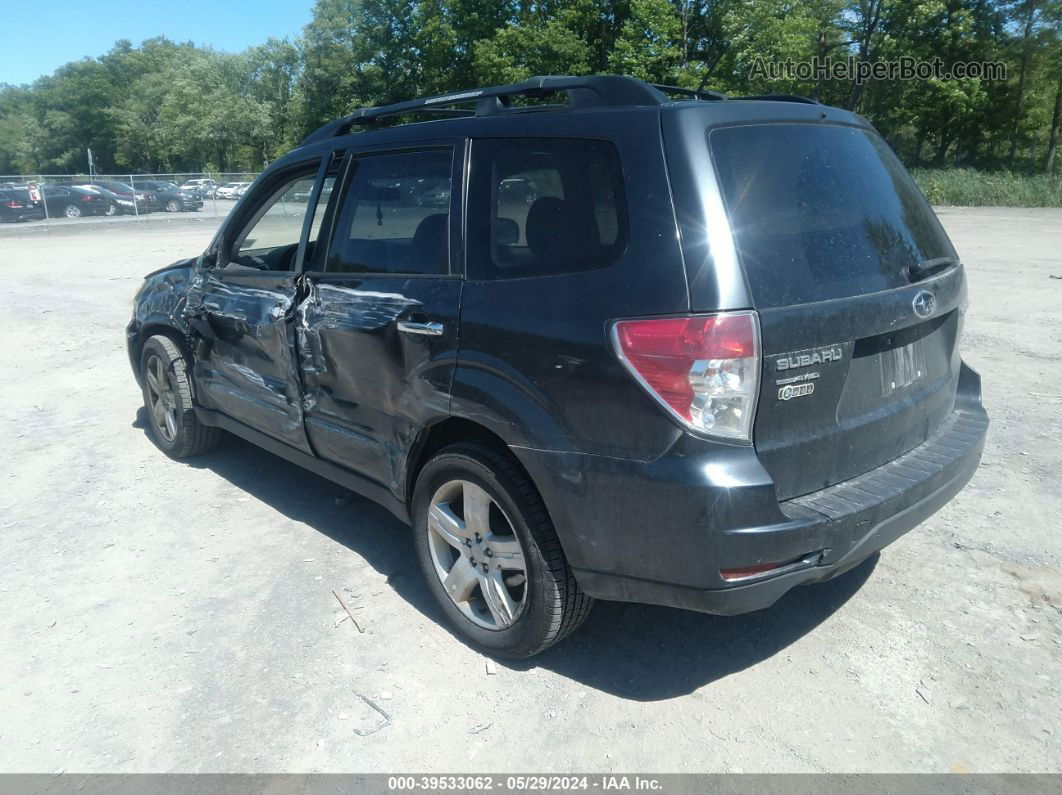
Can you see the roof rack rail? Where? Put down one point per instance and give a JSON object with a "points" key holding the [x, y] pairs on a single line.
{"points": [[691, 93], [782, 98], [608, 91], [592, 91]]}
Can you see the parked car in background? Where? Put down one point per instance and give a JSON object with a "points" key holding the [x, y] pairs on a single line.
{"points": [[516, 190], [204, 188], [123, 205], [72, 201], [169, 197], [242, 189], [437, 196], [232, 190], [144, 200], [16, 205]]}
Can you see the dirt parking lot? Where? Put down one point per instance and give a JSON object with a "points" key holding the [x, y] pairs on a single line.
{"points": [[179, 617]]}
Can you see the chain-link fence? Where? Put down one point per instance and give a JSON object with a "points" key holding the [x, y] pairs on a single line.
{"points": [[79, 198]]}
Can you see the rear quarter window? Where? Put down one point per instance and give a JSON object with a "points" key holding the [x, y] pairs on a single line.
{"points": [[821, 211], [544, 206]]}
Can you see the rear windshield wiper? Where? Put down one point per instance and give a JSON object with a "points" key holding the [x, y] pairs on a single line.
{"points": [[915, 273]]}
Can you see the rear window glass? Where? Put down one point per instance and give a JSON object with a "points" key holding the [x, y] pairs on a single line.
{"points": [[395, 216], [541, 206], [821, 211]]}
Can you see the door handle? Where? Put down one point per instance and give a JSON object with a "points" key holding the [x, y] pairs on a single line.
{"points": [[427, 329]]}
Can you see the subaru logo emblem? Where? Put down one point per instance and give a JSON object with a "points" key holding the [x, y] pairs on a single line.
{"points": [[924, 303]]}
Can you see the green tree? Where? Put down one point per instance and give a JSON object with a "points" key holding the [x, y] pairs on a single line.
{"points": [[650, 42], [168, 106]]}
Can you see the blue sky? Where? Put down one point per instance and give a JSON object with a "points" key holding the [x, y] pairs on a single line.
{"points": [[41, 35]]}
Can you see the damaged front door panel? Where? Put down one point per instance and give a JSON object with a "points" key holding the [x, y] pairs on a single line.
{"points": [[242, 312], [245, 366]]}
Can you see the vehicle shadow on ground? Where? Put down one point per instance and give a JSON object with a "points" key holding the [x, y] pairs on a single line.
{"points": [[649, 653], [639, 652]]}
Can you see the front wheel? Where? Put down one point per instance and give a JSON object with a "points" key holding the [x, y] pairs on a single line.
{"points": [[168, 400], [489, 552], [111, 209]]}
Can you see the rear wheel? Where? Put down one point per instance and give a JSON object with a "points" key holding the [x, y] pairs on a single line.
{"points": [[72, 211], [490, 554], [168, 400], [173, 206]]}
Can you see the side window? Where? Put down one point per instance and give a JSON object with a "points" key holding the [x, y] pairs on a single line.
{"points": [[541, 206], [395, 215], [270, 238]]}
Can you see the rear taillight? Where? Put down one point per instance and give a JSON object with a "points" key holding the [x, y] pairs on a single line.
{"points": [[704, 369], [13, 205]]}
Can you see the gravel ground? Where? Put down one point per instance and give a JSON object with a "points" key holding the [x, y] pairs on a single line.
{"points": [[179, 617]]}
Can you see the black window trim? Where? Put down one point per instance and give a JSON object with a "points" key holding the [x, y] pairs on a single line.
{"points": [[459, 150]]}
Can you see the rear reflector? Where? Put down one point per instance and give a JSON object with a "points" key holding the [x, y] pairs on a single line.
{"points": [[703, 369], [747, 571], [797, 564]]}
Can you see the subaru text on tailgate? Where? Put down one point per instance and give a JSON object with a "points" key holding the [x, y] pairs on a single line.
{"points": [[707, 352]]}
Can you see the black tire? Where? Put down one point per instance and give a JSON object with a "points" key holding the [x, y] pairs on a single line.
{"points": [[112, 209], [72, 211], [554, 604], [190, 437], [173, 206]]}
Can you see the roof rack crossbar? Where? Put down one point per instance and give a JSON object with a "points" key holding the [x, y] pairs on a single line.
{"points": [[692, 93], [783, 98], [599, 90]]}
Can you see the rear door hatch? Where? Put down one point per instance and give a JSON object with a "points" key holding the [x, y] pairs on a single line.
{"points": [[859, 294]]}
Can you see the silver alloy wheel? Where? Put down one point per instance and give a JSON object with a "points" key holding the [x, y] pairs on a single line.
{"points": [[173, 206], [477, 555], [162, 399], [72, 211]]}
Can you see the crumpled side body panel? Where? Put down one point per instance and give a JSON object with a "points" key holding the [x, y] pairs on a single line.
{"points": [[247, 366], [158, 304]]}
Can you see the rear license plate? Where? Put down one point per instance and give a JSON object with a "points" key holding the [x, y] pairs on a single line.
{"points": [[902, 366]]}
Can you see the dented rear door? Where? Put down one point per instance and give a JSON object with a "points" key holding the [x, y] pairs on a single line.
{"points": [[378, 330]]}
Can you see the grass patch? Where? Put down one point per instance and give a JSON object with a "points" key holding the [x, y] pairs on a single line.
{"points": [[967, 187]]}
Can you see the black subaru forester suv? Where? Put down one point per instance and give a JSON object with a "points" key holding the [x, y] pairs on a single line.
{"points": [[642, 344]]}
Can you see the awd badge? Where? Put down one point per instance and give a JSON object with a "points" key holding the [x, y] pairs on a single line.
{"points": [[790, 391]]}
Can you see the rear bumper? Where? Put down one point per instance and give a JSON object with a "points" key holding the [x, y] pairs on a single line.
{"points": [[660, 532]]}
